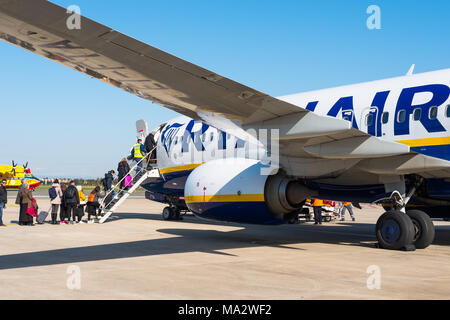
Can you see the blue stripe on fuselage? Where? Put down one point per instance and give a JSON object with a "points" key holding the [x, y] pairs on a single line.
{"points": [[169, 184], [439, 151], [241, 212]]}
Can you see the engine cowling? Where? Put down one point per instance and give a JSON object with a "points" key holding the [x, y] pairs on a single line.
{"points": [[236, 190]]}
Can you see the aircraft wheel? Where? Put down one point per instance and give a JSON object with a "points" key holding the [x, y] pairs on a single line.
{"points": [[167, 213], [394, 230], [177, 214], [292, 218], [423, 227]]}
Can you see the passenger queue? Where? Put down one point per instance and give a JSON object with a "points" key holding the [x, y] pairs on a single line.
{"points": [[70, 200]]}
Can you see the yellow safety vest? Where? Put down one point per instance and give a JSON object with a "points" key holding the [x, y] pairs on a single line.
{"points": [[137, 151]]}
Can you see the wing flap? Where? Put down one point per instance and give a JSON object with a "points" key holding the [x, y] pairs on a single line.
{"points": [[357, 147], [404, 164]]}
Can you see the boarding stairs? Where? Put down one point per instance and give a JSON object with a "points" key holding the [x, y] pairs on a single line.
{"points": [[117, 195]]}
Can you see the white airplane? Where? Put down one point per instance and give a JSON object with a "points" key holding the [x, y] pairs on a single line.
{"points": [[382, 141]]}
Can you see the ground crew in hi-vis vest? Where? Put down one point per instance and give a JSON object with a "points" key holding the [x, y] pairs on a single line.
{"points": [[138, 153], [317, 207], [347, 205]]}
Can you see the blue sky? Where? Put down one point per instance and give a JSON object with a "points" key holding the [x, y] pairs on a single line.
{"points": [[66, 124]]}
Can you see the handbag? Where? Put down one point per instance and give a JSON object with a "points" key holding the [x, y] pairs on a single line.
{"points": [[32, 210], [128, 182]]}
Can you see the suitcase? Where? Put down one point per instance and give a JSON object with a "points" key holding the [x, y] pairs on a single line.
{"points": [[41, 217]]}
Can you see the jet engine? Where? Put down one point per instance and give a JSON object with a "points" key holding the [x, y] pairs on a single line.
{"points": [[243, 190]]}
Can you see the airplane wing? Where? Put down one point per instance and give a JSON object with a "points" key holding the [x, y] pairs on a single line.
{"points": [[105, 54], [100, 52]]}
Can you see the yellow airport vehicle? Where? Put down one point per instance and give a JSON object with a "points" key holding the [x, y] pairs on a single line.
{"points": [[14, 175]]}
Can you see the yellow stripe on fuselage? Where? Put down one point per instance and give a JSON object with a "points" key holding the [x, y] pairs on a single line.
{"points": [[426, 142], [180, 168], [225, 198]]}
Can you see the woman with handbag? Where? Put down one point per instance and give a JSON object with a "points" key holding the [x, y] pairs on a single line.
{"points": [[26, 202], [123, 168]]}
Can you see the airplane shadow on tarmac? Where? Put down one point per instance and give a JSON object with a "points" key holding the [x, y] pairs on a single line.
{"points": [[208, 241]]}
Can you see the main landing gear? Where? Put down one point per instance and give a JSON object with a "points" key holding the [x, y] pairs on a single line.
{"points": [[399, 229]]}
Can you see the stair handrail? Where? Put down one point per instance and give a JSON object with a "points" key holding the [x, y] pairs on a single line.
{"points": [[102, 204]]}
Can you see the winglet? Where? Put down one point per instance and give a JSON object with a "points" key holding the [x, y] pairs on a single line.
{"points": [[141, 129], [411, 70]]}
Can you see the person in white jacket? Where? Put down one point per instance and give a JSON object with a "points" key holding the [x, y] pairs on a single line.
{"points": [[55, 194]]}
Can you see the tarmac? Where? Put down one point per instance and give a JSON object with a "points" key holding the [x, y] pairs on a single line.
{"points": [[137, 255]]}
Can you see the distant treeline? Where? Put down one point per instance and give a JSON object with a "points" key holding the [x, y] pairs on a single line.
{"points": [[78, 181]]}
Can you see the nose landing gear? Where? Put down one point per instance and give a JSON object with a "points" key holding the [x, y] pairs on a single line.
{"points": [[171, 213]]}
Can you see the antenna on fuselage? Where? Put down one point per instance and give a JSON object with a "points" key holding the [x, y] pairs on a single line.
{"points": [[411, 70]]}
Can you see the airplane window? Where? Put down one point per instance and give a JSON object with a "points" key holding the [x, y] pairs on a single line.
{"points": [[401, 116], [433, 113], [385, 117], [369, 119], [417, 114], [176, 140], [448, 111], [348, 115], [203, 137], [211, 137]]}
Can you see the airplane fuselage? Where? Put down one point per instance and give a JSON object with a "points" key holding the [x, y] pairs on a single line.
{"points": [[413, 110]]}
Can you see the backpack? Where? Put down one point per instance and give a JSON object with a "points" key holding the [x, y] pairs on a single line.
{"points": [[91, 197], [70, 193], [52, 193], [104, 182]]}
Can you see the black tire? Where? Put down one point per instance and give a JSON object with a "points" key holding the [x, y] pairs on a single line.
{"points": [[394, 230], [177, 214], [167, 213], [423, 227], [292, 218]]}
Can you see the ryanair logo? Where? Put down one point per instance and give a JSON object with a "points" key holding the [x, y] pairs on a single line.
{"points": [[405, 107], [168, 134]]}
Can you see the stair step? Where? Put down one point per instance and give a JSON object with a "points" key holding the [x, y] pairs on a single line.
{"points": [[121, 196]]}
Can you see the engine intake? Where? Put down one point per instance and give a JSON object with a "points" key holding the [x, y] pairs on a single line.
{"points": [[284, 196]]}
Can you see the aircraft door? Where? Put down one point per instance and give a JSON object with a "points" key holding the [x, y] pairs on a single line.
{"points": [[370, 120]]}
